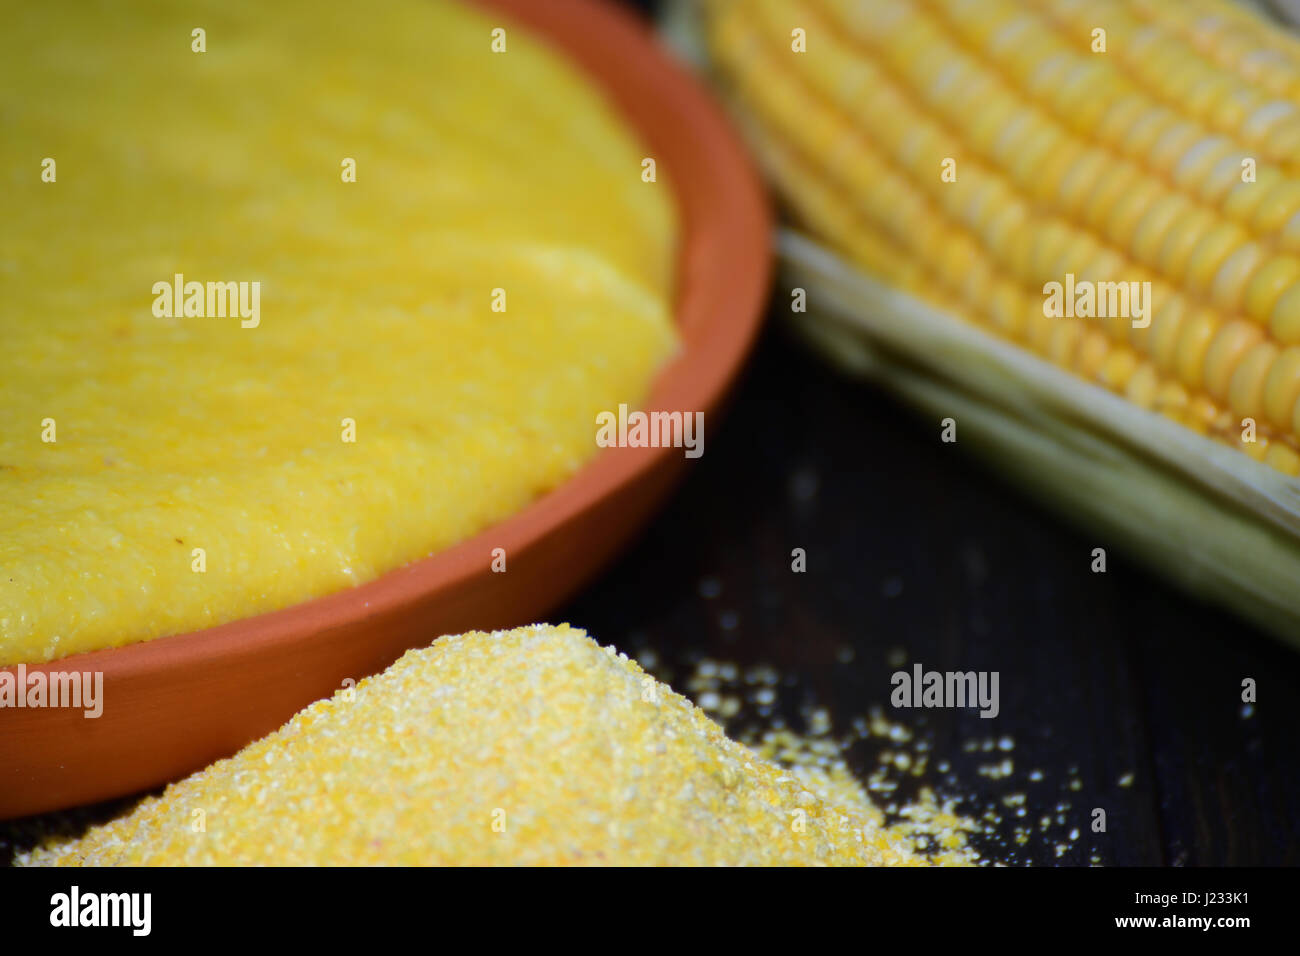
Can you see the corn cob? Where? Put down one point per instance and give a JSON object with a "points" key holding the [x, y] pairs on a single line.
{"points": [[958, 156]]}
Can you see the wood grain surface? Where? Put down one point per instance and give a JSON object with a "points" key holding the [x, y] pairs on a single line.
{"points": [[913, 546]]}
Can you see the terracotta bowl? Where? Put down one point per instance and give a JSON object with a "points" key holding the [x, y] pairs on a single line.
{"points": [[178, 703]]}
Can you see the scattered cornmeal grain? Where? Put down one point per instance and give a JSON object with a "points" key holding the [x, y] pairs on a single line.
{"points": [[532, 746], [818, 758]]}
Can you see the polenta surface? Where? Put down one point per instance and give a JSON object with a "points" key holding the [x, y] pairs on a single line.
{"points": [[476, 173]]}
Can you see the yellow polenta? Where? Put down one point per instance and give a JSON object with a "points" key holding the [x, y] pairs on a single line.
{"points": [[136, 431]]}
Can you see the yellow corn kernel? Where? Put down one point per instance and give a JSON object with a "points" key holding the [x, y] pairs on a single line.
{"points": [[1268, 283], [1196, 165], [1082, 177], [1193, 342], [1181, 240], [1245, 198], [1092, 351], [1063, 341], [1155, 217], [1175, 143], [1229, 285], [1167, 329], [1283, 458], [1111, 190], [1282, 387], [1172, 399], [1246, 391], [1124, 169], [1289, 237], [1007, 307], [1284, 322], [1211, 252], [1118, 368], [1257, 449], [1142, 218], [1281, 203], [1142, 385], [1222, 359]]}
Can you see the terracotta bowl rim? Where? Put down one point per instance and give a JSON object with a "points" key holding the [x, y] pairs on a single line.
{"points": [[718, 315]]}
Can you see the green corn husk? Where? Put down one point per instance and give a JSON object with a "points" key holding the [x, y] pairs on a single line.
{"points": [[1214, 521]]}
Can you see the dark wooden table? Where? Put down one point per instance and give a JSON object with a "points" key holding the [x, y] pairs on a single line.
{"points": [[913, 546]]}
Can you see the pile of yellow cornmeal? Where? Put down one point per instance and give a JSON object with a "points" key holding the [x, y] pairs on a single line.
{"points": [[534, 746], [454, 261]]}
